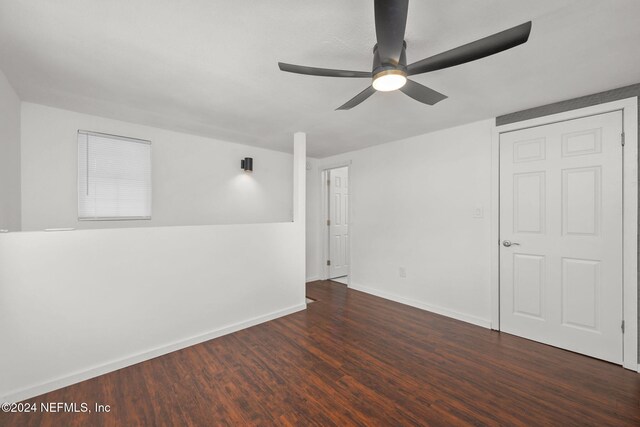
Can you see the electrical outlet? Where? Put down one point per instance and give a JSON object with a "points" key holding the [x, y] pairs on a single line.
{"points": [[402, 272]]}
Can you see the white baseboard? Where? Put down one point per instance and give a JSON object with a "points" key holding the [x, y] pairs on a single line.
{"points": [[485, 323], [313, 278], [76, 377]]}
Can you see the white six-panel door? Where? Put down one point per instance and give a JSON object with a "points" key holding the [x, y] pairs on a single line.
{"points": [[338, 222], [561, 235]]}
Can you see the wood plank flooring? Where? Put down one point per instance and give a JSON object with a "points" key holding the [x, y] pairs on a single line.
{"points": [[355, 359]]}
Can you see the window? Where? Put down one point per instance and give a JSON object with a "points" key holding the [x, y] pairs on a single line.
{"points": [[114, 177]]}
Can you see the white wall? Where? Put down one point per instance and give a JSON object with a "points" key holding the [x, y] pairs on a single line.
{"points": [[196, 180], [81, 303], [9, 156], [412, 206]]}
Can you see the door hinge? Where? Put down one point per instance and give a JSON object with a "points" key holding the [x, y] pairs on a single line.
{"points": [[328, 262], [622, 326], [328, 222], [622, 138]]}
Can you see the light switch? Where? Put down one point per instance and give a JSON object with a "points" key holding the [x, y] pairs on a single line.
{"points": [[478, 212]]}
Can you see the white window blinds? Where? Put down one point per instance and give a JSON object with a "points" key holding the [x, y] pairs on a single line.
{"points": [[114, 177]]}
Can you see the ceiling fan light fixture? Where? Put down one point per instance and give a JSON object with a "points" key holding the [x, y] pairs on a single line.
{"points": [[389, 80]]}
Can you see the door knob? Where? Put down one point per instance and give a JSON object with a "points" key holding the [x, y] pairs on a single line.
{"points": [[507, 243]]}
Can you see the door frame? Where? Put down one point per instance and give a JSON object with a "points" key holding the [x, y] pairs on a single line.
{"points": [[629, 108], [324, 212]]}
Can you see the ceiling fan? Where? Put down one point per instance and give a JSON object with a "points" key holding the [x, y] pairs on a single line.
{"points": [[390, 69]]}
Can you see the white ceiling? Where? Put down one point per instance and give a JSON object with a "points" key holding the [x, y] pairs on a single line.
{"points": [[210, 67]]}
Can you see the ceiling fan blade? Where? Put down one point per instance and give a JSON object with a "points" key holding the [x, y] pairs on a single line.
{"points": [[422, 93], [325, 72], [357, 99], [391, 21], [475, 50]]}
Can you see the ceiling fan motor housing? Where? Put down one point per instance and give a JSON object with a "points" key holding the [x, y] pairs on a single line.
{"points": [[380, 68]]}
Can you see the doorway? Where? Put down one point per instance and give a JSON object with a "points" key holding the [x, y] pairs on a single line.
{"points": [[565, 260], [336, 223], [561, 231]]}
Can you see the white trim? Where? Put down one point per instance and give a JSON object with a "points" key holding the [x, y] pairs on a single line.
{"points": [[324, 209], [630, 234], [112, 136], [334, 165], [312, 278], [593, 110], [113, 218], [76, 377], [495, 229], [629, 107], [478, 321]]}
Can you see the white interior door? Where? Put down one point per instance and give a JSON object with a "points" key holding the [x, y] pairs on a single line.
{"points": [[561, 210], [338, 222]]}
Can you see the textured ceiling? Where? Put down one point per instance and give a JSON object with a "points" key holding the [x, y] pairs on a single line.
{"points": [[210, 67]]}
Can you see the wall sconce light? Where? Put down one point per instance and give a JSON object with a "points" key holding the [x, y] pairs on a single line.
{"points": [[247, 164]]}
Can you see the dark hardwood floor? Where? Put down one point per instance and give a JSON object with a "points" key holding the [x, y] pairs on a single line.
{"points": [[355, 359]]}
